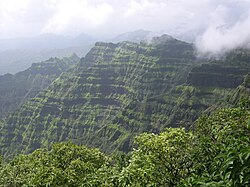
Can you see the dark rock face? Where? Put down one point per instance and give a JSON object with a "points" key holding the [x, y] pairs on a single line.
{"points": [[213, 75]]}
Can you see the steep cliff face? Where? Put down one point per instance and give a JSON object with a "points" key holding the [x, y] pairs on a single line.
{"points": [[120, 90], [241, 93], [214, 75], [15, 89], [210, 85], [115, 92]]}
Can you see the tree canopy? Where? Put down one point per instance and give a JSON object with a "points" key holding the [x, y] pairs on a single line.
{"points": [[216, 153]]}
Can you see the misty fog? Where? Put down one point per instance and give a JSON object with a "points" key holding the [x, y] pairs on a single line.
{"points": [[215, 26]]}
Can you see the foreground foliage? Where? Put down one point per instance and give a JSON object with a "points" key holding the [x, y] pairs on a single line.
{"points": [[222, 155], [216, 153]]}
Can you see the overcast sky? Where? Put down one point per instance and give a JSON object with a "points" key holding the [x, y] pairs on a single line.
{"points": [[224, 21]]}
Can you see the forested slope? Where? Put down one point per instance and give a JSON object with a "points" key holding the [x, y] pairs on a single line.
{"points": [[216, 153], [15, 89]]}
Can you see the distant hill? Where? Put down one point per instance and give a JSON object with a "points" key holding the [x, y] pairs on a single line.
{"points": [[18, 54], [15, 60], [134, 36], [15, 89], [46, 41]]}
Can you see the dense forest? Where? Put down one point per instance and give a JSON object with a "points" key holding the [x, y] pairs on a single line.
{"points": [[128, 114], [215, 153]]}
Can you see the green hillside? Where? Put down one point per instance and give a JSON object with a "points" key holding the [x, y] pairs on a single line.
{"points": [[215, 154], [209, 85], [15, 89], [119, 91]]}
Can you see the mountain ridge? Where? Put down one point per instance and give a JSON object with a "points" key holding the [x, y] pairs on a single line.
{"points": [[114, 93], [17, 88]]}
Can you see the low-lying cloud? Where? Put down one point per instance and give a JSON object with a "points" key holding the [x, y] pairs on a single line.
{"points": [[215, 26], [226, 30]]}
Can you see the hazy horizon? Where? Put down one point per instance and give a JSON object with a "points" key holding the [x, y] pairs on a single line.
{"points": [[205, 21]]}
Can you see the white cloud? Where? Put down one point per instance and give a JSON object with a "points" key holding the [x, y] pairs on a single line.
{"points": [[218, 25], [12, 8], [22, 18], [218, 40], [135, 7], [75, 16], [225, 30]]}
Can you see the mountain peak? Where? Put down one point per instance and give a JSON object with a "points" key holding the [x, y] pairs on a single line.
{"points": [[74, 55], [134, 36], [161, 39]]}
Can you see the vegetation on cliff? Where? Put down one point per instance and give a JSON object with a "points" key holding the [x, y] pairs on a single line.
{"points": [[16, 89], [114, 93], [119, 91], [216, 153]]}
